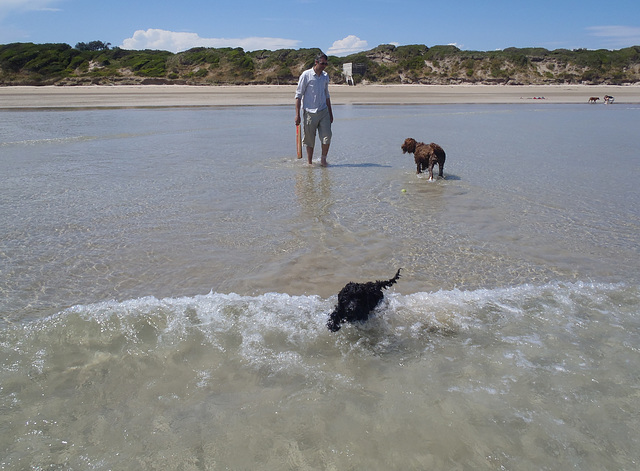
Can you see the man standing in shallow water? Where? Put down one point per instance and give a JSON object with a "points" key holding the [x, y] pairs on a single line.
{"points": [[312, 95]]}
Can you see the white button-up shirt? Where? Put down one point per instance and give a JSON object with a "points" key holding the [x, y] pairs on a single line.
{"points": [[314, 90]]}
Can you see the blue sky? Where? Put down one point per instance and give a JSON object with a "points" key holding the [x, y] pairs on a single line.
{"points": [[336, 27]]}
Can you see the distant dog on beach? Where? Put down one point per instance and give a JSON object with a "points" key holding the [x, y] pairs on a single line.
{"points": [[425, 155], [593, 99], [357, 300]]}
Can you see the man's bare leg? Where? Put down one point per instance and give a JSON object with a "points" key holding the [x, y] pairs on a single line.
{"points": [[310, 155], [323, 158]]}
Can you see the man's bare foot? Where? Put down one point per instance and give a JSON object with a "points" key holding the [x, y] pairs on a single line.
{"points": [[323, 161]]}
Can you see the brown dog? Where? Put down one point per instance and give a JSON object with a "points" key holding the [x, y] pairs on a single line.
{"points": [[425, 155]]}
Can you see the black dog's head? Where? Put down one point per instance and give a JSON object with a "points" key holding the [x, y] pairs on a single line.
{"points": [[357, 300]]}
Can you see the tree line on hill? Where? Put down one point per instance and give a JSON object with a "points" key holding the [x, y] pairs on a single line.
{"points": [[97, 63]]}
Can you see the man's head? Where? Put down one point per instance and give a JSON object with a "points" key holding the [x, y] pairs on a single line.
{"points": [[321, 60]]}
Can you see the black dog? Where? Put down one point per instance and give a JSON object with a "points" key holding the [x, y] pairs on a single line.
{"points": [[357, 300]]}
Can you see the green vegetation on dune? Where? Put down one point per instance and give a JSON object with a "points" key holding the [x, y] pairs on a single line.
{"points": [[96, 63]]}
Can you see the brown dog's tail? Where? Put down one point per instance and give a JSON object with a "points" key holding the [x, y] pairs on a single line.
{"points": [[391, 282]]}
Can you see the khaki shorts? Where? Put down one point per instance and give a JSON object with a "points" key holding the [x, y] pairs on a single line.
{"points": [[320, 121]]}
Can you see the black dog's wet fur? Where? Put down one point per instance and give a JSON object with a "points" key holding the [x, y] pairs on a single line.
{"points": [[357, 300]]}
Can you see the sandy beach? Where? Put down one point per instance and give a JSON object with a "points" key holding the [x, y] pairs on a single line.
{"points": [[179, 95]]}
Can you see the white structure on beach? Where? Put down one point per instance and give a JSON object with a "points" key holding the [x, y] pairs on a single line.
{"points": [[350, 68]]}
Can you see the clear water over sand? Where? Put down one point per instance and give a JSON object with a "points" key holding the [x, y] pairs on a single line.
{"points": [[166, 275]]}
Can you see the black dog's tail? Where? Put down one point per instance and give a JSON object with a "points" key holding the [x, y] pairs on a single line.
{"points": [[389, 283]]}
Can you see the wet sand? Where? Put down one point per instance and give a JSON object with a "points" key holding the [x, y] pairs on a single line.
{"points": [[177, 95]]}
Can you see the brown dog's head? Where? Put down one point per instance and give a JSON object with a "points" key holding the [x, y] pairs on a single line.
{"points": [[409, 145]]}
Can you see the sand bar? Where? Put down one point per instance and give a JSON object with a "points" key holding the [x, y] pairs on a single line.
{"points": [[135, 96]]}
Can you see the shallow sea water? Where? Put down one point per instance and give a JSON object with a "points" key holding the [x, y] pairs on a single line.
{"points": [[166, 276]]}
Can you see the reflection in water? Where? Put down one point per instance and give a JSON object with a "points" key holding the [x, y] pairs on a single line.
{"points": [[313, 190]]}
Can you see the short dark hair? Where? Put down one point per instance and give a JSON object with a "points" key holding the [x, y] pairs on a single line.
{"points": [[321, 55]]}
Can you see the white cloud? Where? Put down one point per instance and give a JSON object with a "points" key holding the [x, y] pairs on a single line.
{"points": [[348, 45], [617, 36], [175, 41]]}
